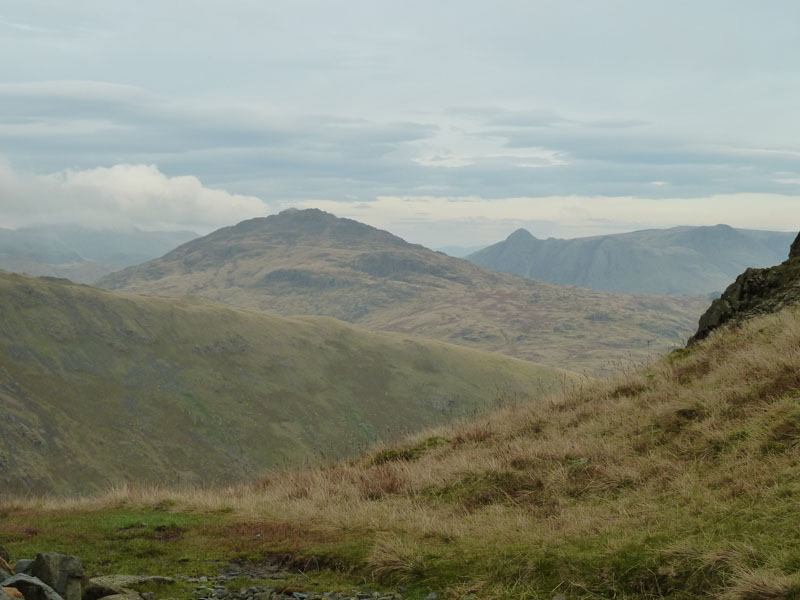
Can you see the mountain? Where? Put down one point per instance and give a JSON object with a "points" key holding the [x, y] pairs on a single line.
{"points": [[678, 480], [311, 262], [681, 260], [99, 386], [459, 251], [755, 292], [80, 253]]}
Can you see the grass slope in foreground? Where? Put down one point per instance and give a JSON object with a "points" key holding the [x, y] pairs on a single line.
{"points": [[99, 386], [676, 481]]}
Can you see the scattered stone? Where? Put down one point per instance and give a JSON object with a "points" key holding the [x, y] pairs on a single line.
{"points": [[32, 588], [61, 572]]}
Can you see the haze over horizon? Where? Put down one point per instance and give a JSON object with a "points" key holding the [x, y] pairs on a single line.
{"points": [[447, 124]]}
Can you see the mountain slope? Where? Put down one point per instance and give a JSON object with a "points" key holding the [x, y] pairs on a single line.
{"points": [[79, 253], [681, 260], [675, 481], [97, 386], [310, 262]]}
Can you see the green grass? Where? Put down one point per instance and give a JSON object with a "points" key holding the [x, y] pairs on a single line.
{"points": [[102, 387]]}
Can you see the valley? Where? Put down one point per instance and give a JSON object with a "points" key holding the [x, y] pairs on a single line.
{"points": [[311, 262]]}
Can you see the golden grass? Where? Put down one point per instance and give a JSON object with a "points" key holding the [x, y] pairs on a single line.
{"points": [[694, 458]]}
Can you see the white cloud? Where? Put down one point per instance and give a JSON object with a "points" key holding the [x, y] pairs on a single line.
{"points": [[438, 220], [125, 194]]}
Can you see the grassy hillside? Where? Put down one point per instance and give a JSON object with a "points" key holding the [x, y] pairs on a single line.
{"points": [[310, 262], [97, 386], [680, 260], [678, 480]]}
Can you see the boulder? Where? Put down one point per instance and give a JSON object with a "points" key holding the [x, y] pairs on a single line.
{"points": [[32, 588], [23, 566], [61, 572]]}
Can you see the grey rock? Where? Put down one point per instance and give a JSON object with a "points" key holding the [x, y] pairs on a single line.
{"points": [[32, 588], [432, 596], [755, 292], [61, 572], [120, 585], [794, 251], [23, 566]]}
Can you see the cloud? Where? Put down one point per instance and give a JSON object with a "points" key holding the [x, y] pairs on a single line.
{"points": [[439, 221], [122, 195]]}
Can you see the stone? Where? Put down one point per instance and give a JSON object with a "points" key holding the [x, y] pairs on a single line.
{"points": [[61, 572], [13, 593], [3, 595], [5, 573], [109, 586], [23, 566], [32, 588]]}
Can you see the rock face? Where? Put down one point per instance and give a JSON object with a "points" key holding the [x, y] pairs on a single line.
{"points": [[794, 251], [61, 572], [755, 292]]}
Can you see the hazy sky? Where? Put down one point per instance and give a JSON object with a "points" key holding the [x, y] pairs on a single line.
{"points": [[447, 122]]}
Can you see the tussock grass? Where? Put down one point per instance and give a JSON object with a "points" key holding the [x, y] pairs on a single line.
{"points": [[677, 480]]}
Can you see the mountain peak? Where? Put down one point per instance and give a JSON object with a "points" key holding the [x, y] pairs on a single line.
{"points": [[521, 234]]}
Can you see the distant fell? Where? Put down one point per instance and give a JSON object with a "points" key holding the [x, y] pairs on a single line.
{"points": [[680, 260], [99, 387], [79, 253], [311, 262]]}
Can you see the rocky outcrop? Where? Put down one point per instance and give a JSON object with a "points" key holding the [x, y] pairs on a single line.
{"points": [[755, 292], [794, 251]]}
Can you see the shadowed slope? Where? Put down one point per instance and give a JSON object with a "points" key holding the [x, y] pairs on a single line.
{"points": [[97, 386]]}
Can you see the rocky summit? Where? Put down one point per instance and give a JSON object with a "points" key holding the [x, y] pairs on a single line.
{"points": [[755, 292]]}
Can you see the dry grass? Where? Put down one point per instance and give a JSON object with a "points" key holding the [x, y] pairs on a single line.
{"points": [[679, 476]]}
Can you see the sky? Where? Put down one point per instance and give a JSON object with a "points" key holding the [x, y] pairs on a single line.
{"points": [[447, 122]]}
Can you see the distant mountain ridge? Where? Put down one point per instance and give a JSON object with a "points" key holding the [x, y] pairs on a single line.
{"points": [[82, 254], [312, 262], [676, 261]]}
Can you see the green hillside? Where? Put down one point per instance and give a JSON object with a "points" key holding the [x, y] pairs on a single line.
{"points": [[310, 262], [98, 386], [675, 481]]}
